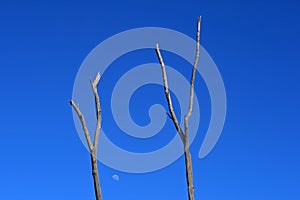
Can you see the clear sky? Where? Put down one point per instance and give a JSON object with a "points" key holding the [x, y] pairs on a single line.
{"points": [[255, 45]]}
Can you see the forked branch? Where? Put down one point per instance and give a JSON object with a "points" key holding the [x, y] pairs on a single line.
{"points": [[183, 135], [93, 147]]}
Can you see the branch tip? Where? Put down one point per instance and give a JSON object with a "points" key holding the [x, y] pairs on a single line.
{"points": [[97, 79], [199, 22], [199, 19]]}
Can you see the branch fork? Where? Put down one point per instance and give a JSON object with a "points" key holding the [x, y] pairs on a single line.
{"points": [[183, 134], [93, 146]]}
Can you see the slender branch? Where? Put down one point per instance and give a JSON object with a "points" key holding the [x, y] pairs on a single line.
{"points": [[187, 117], [188, 159], [93, 147], [184, 135], [168, 96], [83, 124], [98, 111]]}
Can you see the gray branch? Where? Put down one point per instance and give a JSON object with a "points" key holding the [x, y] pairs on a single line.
{"points": [[183, 135], [93, 147], [83, 124], [98, 110], [188, 160], [168, 96]]}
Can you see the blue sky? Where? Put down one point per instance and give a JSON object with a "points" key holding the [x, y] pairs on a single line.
{"points": [[255, 46]]}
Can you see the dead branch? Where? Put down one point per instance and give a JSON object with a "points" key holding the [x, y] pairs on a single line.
{"points": [[94, 85], [83, 124], [168, 96], [188, 160], [183, 135], [93, 147]]}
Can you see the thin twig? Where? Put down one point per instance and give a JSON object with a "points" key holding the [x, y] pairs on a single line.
{"points": [[98, 111], [168, 96], [83, 124], [187, 117]]}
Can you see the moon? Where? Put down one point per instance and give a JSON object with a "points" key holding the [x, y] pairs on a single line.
{"points": [[116, 177]]}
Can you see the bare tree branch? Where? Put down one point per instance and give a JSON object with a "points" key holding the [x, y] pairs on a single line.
{"points": [[93, 147], [183, 135], [187, 117], [188, 160], [83, 124], [98, 111], [167, 93]]}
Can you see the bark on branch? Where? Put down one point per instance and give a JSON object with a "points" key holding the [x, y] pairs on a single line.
{"points": [[183, 135], [93, 147], [168, 96]]}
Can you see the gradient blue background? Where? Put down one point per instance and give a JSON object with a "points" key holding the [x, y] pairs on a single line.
{"points": [[255, 45]]}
